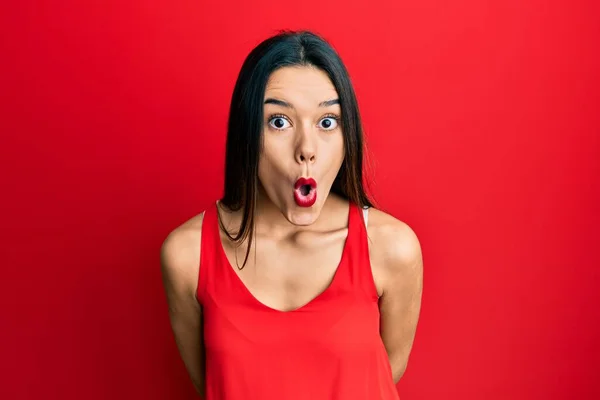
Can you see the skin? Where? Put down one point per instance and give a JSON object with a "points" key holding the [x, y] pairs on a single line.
{"points": [[301, 139]]}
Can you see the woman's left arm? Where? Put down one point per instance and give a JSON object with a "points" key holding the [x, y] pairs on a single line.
{"points": [[401, 277]]}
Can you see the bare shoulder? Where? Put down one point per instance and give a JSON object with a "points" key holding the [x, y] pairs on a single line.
{"points": [[180, 257], [395, 250]]}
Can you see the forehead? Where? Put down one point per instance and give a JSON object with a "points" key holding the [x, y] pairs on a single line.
{"points": [[304, 85]]}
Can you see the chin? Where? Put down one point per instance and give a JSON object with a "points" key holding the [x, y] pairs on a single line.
{"points": [[303, 216]]}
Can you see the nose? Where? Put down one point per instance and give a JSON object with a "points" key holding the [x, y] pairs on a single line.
{"points": [[306, 146]]}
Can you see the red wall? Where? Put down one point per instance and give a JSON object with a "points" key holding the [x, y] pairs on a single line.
{"points": [[483, 124]]}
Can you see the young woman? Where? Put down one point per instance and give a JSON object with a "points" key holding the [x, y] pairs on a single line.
{"points": [[292, 286]]}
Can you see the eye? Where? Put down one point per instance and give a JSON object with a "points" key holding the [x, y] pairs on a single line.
{"points": [[279, 122], [329, 123]]}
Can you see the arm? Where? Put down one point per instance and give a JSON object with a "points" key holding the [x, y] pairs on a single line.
{"points": [[401, 266], [180, 259]]}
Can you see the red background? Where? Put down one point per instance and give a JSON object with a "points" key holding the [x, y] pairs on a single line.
{"points": [[482, 122]]}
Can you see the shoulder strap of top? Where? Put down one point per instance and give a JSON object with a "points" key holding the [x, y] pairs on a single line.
{"points": [[208, 249], [361, 275], [217, 282]]}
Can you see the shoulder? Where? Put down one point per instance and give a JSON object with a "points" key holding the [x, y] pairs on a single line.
{"points": [[180, 256], [395, 249]]}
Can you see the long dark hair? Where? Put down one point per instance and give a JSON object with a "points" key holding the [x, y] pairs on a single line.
{"points": [[244, 133]]}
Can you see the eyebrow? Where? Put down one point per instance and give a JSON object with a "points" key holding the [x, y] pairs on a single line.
{"points": [[282, 103]]}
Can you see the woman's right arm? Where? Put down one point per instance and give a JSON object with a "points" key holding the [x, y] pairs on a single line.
{"points": [[180, 261]]}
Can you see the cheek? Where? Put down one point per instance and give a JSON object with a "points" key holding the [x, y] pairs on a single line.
{"points": [[271, 162], [336, 153]]}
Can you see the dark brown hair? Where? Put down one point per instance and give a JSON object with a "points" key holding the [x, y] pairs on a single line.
{"points": [[244, 134]]}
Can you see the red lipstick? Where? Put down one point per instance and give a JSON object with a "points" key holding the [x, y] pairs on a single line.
{"points": [[305, 192]]}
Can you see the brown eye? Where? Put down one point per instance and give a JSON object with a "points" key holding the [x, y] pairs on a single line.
{"points": [[279, 123], [328, 123]]}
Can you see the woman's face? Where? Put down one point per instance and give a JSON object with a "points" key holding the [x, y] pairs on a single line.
{"points": [[302, 138]]}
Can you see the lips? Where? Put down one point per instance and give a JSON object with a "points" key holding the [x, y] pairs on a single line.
{"points": [[305, 192]]}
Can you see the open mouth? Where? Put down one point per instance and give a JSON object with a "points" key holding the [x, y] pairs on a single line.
{"points": [[305, 192]]}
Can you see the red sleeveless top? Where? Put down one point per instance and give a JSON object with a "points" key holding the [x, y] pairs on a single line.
{"points": [[328, 349]]}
